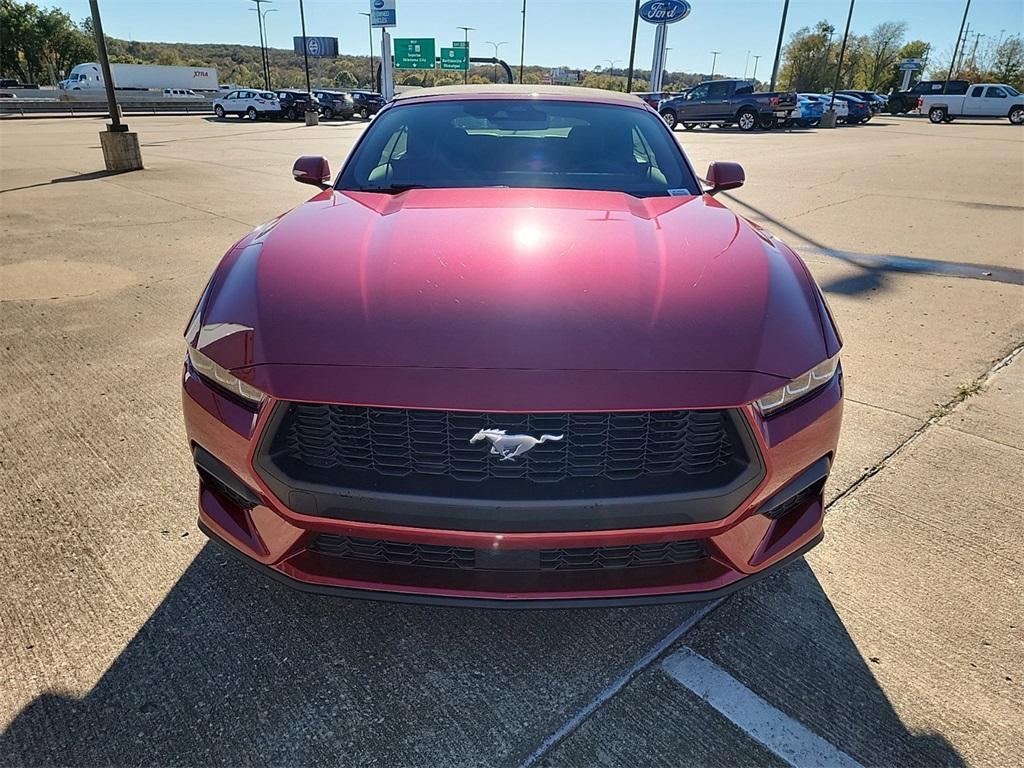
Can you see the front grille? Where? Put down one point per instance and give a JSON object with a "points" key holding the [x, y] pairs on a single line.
{"points": [[430, 452], [465, 558]]}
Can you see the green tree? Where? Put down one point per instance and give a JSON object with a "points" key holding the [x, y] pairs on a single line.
{"points": [[1008, 62], [345, 79], [809, 58], [38, 45], [881, 53]]}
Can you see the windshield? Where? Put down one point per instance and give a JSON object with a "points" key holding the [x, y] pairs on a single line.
{"points": [[519, 143]]}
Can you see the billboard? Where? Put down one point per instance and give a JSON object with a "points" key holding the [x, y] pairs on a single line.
{"points": [[318, 47]]}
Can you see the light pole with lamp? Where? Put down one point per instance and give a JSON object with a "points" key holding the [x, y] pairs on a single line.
{"points": [[466, 31], [714, 61], [260, 17], [753, 76], [496, 47], [266, 37], [312, 117], [522, 45], [369, 24]]}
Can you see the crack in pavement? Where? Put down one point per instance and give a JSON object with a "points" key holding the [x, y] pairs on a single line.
{"points": [[662, 647]]}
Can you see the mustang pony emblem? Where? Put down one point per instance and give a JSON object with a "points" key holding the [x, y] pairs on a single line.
{"points": [[510, 446]]}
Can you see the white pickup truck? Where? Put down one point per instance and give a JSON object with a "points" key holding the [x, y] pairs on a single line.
{"points": [[981, 100]]}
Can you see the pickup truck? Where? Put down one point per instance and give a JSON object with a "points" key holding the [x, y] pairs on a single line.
{"points": [[901, 102], [727, 102], [981, 100]]}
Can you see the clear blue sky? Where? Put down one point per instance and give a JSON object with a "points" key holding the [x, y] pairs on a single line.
{"points": [[575, 33]]}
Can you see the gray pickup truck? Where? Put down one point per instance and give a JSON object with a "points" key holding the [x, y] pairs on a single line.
{"points": [[728, 102]]}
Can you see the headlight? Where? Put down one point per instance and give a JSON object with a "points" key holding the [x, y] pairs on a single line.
{"points": [[223, 378], [801, 386]]}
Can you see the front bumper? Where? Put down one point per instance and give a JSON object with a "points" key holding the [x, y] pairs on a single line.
{"points": [[241, 512]]}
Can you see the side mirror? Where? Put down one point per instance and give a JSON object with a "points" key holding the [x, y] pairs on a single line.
{"points": [[722, 176], [312, 169]]}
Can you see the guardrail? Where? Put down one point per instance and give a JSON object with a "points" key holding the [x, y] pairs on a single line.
{"points": [[44, 107]]}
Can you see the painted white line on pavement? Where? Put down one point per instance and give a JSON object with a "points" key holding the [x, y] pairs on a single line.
{"points": [[767, 725], [638, 666]]}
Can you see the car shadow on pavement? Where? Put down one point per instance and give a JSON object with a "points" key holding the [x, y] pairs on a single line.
{"points": [[784, 640], [89, 176], [234, 669]]}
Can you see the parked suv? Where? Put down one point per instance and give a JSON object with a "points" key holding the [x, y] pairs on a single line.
{"points": [[367, 103], [293, 103], [335, 104], [726, 102], [901, 102], [246, 103]]}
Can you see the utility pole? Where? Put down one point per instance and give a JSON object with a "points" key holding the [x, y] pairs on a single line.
{"points": [[746, 66], [778, 48], [974, 50], [263, 41], [949, 75], [963, 49], [632, 47], [466, 31], [369, 25], [714, 61], [496, 47], [754, 76], [522, 45]]}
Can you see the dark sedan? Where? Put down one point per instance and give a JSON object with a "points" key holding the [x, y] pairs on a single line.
{"points": [[860, 110]]}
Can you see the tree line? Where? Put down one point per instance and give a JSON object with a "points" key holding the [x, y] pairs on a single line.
{"points": [[40, 45], [871, 62]]}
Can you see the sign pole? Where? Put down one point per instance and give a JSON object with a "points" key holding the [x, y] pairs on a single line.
{"points": [[658, 62], [387, 69]]}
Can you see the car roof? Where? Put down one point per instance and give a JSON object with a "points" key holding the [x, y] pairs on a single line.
{"points": [[501, 90]]}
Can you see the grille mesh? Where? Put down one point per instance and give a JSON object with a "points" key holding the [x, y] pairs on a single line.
{"points": [[610, 446], [465, 558]]}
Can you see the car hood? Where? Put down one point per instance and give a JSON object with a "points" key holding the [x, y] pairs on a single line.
{"points": [[502, 279]]}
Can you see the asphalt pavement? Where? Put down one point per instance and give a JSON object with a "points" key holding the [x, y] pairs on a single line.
{"points": [[127, 639]]}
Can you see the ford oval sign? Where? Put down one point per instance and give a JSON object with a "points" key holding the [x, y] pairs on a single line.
{"points": [[664, 11]]}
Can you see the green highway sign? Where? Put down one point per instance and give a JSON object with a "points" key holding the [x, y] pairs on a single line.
{"points": [[414, 53], [455, 58], [460, 44]]}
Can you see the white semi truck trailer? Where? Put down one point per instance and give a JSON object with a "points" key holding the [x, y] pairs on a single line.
{"points": [[142, 77]]}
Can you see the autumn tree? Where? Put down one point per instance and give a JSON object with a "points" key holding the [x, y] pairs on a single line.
{"points": [[40, 45]]}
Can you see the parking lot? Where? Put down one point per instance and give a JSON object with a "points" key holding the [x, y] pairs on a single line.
{"points": [[126, 638]]}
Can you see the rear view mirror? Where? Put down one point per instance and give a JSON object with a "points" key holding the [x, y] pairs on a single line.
{"points": [[722, 176], [312, 169]]}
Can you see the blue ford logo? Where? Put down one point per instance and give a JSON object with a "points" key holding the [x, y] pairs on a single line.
{"points": [[664, 11], [378, 4]]}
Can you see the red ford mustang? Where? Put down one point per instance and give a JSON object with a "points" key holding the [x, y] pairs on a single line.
{"points": [[516, 355]]}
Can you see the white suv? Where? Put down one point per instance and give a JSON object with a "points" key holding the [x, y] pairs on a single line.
{"points": [[243, 102]]}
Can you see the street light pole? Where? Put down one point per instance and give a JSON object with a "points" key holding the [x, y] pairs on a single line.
{"points": [[266, 37], [714, 61], [778, 48], [632, 47], [466, 31], [496, 47], [842, 53], [263, 45], [967, 10], [369, 25], [754, 75], [311, 115], [120, 147], [522, 45], [746, 66]]}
